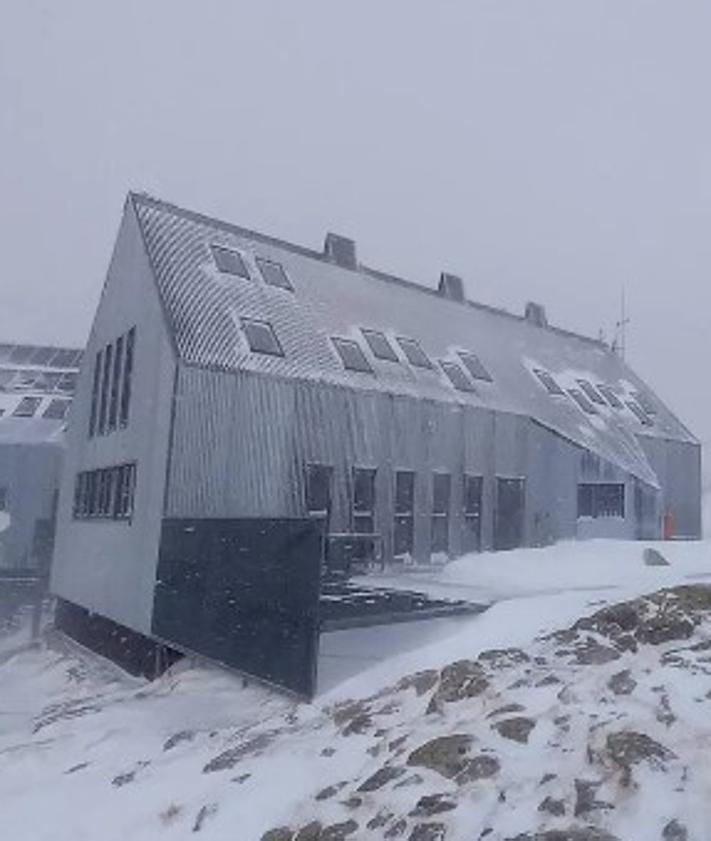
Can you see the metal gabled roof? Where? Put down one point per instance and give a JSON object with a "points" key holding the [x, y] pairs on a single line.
{"points": [[204, 306]]}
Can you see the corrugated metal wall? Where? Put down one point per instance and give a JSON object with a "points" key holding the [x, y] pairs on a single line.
{"points": [[678, 466], [242, 442]]}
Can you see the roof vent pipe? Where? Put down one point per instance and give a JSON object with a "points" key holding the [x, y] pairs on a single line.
{"points": [[536, 314], [340, 250], [451, 286]]}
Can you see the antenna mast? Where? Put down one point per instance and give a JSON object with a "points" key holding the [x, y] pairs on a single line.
{"points": [[621, 328]]}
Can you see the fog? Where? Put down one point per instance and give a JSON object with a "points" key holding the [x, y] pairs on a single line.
{"points": [[548, 151]]}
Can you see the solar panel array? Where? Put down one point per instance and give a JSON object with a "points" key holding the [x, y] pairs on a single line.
{"points": [[42, 378]]}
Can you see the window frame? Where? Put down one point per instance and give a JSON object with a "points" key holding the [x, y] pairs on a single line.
{"points": [[441, 513], [129, 361], [19, 412], [404, 516], [234, 254], [476, 368], [456, 377], [591, 392], [263, 262], [377, 341], [419, 359], [582, 402], [259, 323], [364, 513], [549, 382], [591, 498], [341, 344]]}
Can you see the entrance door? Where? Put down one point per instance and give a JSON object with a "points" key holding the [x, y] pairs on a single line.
{"points": [[509, 518]]}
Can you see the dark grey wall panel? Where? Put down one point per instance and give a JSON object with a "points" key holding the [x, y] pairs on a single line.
{"points": [[678, 466], [244, 593], [29, 476]]}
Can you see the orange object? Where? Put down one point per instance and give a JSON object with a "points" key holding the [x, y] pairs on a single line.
{"points": [[667, 525]]}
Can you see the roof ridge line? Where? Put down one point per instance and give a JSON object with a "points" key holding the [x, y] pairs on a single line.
{"points": [[360, 268]]}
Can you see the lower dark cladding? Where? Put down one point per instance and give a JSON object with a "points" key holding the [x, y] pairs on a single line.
{"points": [[244, 593], [132, 651]]}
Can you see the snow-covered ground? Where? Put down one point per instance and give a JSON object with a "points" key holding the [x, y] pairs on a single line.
{"points": [[87, 752]]}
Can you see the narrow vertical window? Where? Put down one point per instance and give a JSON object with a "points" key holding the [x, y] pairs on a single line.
{"points": [[441, 495], [472, 513], [363, 520], [95, 395], [105, 381], [318, 491], [404, 513], [115, 383], [127, 372]]}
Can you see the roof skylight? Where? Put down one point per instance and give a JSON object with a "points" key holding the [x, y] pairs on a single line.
{"points": [[27, 407], [379, 345], [456, 376], [274, 274], [645, 401], [639, 413], [582, 401], [591, 392], [261, 337], [414, 353], [57, 409], [352, 355], [609, 395], [229, 261], [474, 366], [547, 381]]}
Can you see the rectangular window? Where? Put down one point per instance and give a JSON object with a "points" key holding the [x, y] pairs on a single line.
{"points": [[229, 261], [610, 396], [379, 345], [645, 401], [67, 382], [105, 383], [363, 520], [456, 376], [414, 353], [471, 503], [404, 512], [57, 409], [591, 392], [441, 495], [261, 337], [96, 384], [106, 493], [3, 499], [123, 499], [27, 407], [129, 351], [352, 355], [475, 366], [274, 274], [639, 413], [547, 381], [318, 490], [115, 384], [582, 401], [601, 500]]}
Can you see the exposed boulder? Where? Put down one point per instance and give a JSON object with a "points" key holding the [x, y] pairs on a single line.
{"points": [[622, 683], [654, 558], [517, 729], [447, 755]]}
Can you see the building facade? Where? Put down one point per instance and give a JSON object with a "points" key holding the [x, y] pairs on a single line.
{"points": [[36, 388], [230, 375]]}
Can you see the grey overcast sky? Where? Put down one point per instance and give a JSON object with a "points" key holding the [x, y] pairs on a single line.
{"points": [[552, 150]]}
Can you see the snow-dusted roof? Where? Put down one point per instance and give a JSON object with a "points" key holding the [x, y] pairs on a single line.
{"points": [[37, 383], [204, 308]]}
